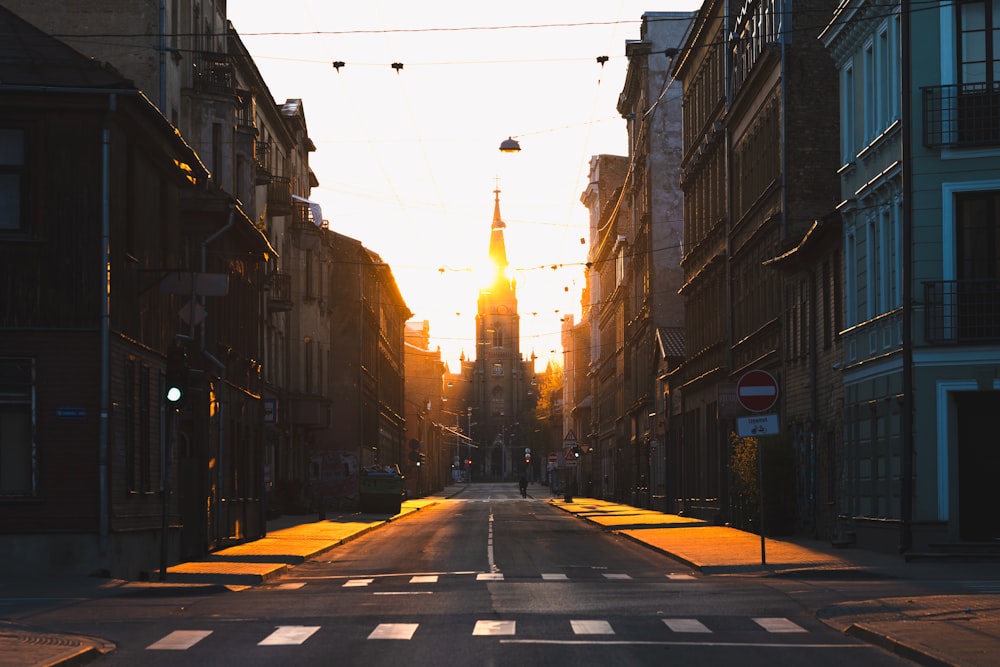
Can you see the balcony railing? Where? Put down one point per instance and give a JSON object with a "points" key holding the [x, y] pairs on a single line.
{"points": [[279, 195], [962, 311], [279, 299], [212, 72], [966, 115]]}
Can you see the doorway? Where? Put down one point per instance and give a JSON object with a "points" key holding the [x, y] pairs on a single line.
{"points": [[978, 463]]}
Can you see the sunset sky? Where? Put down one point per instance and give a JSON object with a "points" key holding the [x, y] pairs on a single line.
{"points": [[408, 157]]}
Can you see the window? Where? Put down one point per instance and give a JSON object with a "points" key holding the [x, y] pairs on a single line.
{"points": [[12, 179], [870, 92], [978, 235], [978, 94], [18, 476], [497, 368], [847, 113]]}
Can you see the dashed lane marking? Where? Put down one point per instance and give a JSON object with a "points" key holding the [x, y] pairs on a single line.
{"points": [[394, 631], [685, 625], [591, 628], [778, 625], [355, 583], [179, 640], [289, 635], [494, 628]]}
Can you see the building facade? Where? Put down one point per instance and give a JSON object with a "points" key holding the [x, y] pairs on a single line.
{"points": [[754, 78], [920, 348]]}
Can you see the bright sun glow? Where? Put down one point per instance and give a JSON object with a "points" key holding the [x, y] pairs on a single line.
{"points": [[408, 159]]}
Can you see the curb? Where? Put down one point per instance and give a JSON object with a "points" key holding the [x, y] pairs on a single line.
{"points": [[871, 636]]}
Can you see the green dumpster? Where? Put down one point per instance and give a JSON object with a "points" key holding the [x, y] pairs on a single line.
{"points": [[381, 489]]}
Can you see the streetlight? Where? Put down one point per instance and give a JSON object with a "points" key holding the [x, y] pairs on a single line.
{"points": [[510, 145]]}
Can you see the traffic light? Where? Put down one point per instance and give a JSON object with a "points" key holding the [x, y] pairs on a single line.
{"points": [[417, 457], [177, 372], [575, 452], [527, 458]]}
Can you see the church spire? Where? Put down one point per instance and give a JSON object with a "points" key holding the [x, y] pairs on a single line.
{"points": [[498, 249]]}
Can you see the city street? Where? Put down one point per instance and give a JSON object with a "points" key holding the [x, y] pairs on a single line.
{"points": [[485, 578]]}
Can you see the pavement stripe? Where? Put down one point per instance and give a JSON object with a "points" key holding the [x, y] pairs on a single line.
{"points": [[489, 576], [393, 631], [680, 577], [493, 628], [289, 635], [354, 583], [778, 625], [616, 576], [424, 579], [555, 577], [591, 628], [179, 640], [685, 625]]}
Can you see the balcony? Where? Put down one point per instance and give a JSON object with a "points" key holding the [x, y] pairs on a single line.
{"points": [[262, 156], [279, 195], [212, 73], [279, 298], [962, 311], [962, 116]]}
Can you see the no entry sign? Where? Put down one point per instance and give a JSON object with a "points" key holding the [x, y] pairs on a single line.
{"points": [[757, 391]]}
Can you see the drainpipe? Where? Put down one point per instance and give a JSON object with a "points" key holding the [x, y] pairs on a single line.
{"points": [[162, 47], [104, 518], [906, 428], [220, 477]]}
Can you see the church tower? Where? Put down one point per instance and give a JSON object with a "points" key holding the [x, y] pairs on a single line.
{"points": [[501, 378]]}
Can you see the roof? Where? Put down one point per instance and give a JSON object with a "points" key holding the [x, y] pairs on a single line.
{"points": [[30, 57], [671, 341]]}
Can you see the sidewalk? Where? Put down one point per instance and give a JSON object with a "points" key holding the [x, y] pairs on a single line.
{"points": [[929, 629], [953, 629]]}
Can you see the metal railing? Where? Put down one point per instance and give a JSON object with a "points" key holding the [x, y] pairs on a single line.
{"points": [[962, 311], [961, 115], [212, 72], [279, 195]]}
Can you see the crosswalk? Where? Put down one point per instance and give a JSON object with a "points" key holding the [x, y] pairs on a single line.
{"points": [[296, 635], [421, 579]]}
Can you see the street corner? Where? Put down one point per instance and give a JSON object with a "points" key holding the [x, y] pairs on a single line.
{"points": [[21, 645]]}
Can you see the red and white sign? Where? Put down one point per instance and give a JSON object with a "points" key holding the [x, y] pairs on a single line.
{"points": [[757, 391]]}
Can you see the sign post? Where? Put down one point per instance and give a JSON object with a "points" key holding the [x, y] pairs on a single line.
{"points": [[757, 391]]}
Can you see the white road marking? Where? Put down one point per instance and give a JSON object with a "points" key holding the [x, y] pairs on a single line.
{"points": [[778, 625], [489, 576], [680, 577], [354, 583], [295, 585], [685, 625], [289, 635], [555, 577], [489, 546], [179, 640], [625, 642], [591, 628], [616, 576], [424, 579], [493, 628], [394, 631], [403, 593]]}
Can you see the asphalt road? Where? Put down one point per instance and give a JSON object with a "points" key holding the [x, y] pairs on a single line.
{"points": [[487, 578]]}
